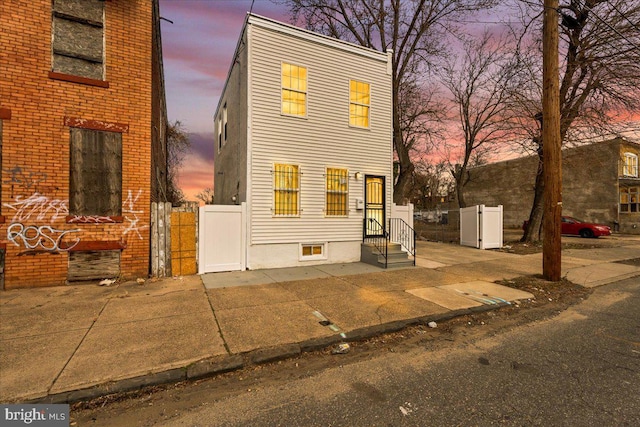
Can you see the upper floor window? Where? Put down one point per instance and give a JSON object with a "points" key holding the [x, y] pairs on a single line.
{"points": [[224, 122], [78, 38], [359, 103], [286, 190], [294, 90], [219, 132], [630, 166], [337, 196]]}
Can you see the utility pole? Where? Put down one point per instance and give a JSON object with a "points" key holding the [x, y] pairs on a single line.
{"points": [[551, 144]]}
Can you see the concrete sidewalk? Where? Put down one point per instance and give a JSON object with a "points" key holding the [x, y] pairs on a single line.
{"points": [[76, 342]]}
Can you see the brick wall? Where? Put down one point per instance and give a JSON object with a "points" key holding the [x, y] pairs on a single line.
{"points": [[35, 141]]}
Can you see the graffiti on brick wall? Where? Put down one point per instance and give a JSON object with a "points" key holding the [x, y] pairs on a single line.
{"points": [[40, 238], [90, 219], [47, 238], [24, 178], [37, 207], [130, 213]]}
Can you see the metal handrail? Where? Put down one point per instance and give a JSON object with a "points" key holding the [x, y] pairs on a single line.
{"points": [[402, 233], [379, 241]]}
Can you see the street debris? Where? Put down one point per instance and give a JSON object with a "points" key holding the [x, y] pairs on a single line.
{"points": [[107, 282], [342, 348], [140, 281], [432, 324], [406, 409]]}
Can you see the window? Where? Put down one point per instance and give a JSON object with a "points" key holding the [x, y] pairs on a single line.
{"points": [[337, 192], [630, 166], [359, 103], [310, 251], [294, 90], [219, 131], [286, 190], [95, 182], [224, 122], [78, 38], [629, 199]]}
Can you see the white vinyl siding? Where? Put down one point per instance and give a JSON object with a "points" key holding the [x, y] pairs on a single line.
{"points": [[323, 139]]}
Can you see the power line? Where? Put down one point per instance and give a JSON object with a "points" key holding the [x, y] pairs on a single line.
{"points": [[625, 17]]}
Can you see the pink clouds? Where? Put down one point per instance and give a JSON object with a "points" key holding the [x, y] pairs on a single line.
{"points": [[197, 52]]}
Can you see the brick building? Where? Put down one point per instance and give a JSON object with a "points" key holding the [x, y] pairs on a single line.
{"points": [[82, 138], [600, 183]]}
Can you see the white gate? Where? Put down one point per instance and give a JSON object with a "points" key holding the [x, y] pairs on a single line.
{"points": [[222, 238], [470, 226], [481, 227]]}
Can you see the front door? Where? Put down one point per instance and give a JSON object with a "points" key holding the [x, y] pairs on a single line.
{"points": [[374, 209]]}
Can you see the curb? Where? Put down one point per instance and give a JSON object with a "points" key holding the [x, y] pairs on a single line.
{"points": [[227, 363]]}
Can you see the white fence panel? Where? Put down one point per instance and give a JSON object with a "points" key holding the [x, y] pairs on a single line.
{"points": [[491, 228], [470, 226], [222, 238], [403, 212], [481, 227]]}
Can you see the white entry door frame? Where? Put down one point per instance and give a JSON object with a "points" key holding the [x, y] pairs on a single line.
{"points": [[222, 239]]}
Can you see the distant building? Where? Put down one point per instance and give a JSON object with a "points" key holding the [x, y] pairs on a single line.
{"points": [[600, 183], [82, 133]]}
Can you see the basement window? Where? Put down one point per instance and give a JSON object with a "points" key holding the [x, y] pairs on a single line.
{"points": [[312, 251]]}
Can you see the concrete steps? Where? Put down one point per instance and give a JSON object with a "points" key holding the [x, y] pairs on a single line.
{"points": [[396, 257]]}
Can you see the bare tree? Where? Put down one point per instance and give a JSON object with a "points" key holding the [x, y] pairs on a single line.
{"points": [[178, 145], [599, 76], [479, 88], [430, 183], [413, 30], [206, 196]]}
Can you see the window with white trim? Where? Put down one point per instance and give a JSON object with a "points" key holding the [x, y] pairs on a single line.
{"points": [[286, 190], [629, 201], [359, 103], [311, 251], [294, 90], [337, 192], [630, 166]]}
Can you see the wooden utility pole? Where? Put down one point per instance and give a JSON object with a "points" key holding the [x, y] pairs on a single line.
{"points": [[551, 144]]}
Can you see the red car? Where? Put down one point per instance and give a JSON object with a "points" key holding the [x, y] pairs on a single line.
{"points": [[573, 226]]}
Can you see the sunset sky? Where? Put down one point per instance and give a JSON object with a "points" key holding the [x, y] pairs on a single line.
{"points": [[197, 51]]}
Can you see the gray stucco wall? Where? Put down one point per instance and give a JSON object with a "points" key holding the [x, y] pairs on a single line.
{"points": [[589, 186], [230, 162]]}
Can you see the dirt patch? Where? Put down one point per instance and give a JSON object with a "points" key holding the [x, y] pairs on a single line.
{"points": [[159, 403]]}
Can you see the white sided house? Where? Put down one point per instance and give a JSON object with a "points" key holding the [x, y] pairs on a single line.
{"points": [[304, 147]]}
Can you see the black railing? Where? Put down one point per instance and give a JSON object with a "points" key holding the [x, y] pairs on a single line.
{"points": [[402, 233], [374, 233]]}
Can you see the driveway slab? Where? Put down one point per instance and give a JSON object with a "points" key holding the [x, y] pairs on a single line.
{"points": [[487, 292], [444, 298], [601, 274]]}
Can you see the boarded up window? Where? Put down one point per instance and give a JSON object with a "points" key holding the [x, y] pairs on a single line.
{"points": [[90, 265], [78, 38], [95, 182]]}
